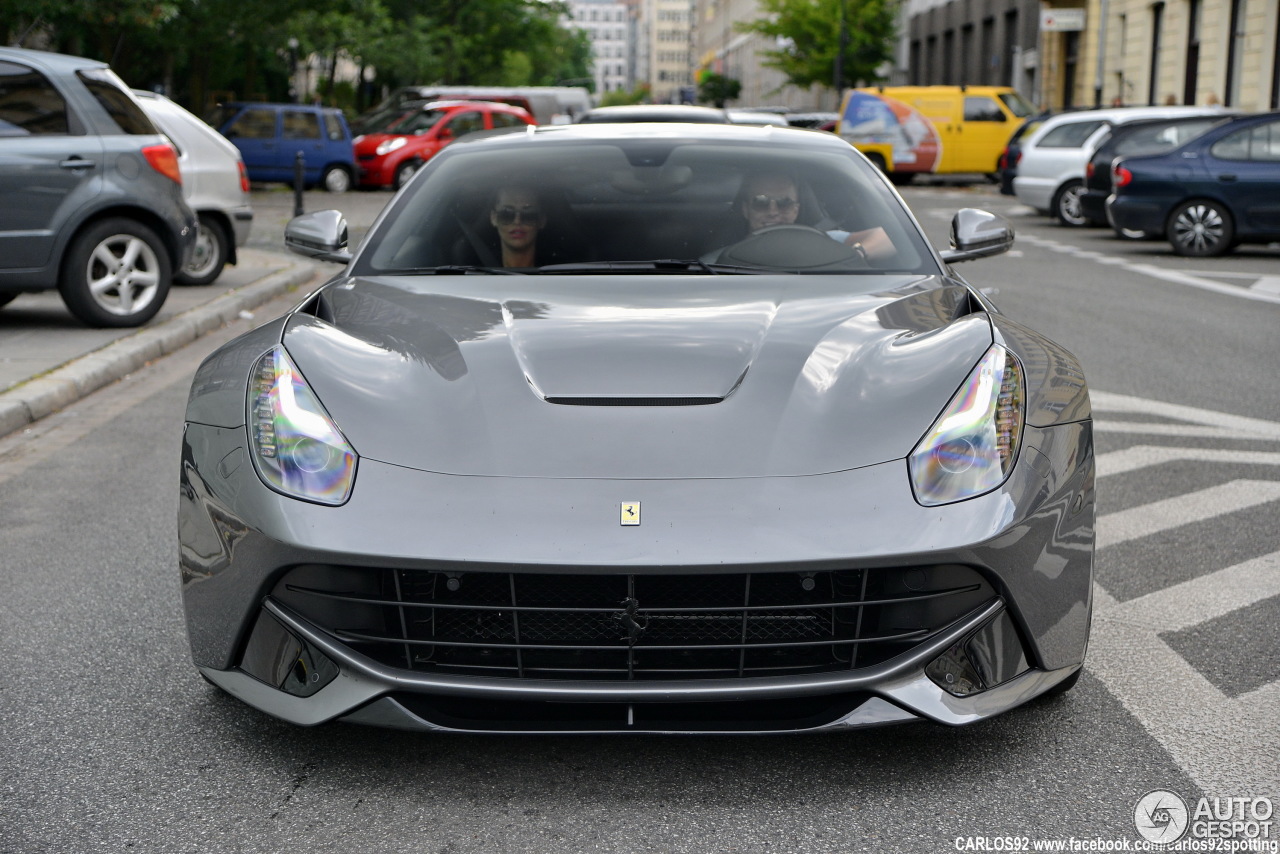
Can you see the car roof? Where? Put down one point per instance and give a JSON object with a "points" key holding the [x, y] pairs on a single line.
{"points": [[654, 113], [49, 60], [672, 131], [1123, 115], [501, 106]]}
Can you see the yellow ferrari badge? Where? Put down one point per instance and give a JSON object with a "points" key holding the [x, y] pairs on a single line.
{"points": [[631, 512]]}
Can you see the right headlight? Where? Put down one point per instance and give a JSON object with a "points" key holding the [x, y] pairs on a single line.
{"points": [[972, 446], [297, 449]]}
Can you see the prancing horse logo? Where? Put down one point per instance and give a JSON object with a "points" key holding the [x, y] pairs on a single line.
{"points": [[627, 617]]}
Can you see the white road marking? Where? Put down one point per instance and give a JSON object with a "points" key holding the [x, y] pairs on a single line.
{"points": [[1179, 277], [1183, 510], [1146, 456], [1227, 745]]}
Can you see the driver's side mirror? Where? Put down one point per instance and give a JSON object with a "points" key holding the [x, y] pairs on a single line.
{"points": [[977, 234], [321, 235]]}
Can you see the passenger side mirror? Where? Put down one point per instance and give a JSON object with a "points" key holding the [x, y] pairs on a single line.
{"points": [[321, 235], [977, 234]]}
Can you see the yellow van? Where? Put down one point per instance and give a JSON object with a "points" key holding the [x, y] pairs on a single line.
{"points": [[909, 130]]}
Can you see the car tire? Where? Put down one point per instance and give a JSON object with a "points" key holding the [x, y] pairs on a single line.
{"points": [[1200, 229], [210, 256], [1066, 204], [336, 179], [116, 273], [877, 161], [404, 172], [901, 179]]}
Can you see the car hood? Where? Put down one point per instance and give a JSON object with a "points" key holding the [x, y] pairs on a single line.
{"points": [[636, 376]]}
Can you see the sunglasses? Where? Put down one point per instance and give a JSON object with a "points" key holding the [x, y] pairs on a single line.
{"points": [[511, 216], [762, 203]]}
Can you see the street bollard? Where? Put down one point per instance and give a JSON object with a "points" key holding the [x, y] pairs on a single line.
{"points": [[299, 170]]}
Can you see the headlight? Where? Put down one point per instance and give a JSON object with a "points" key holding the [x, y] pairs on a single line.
{"points": [[972, 446], [297, 448], [389, 145]]}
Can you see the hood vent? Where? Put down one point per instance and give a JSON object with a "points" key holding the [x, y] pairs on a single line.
{"points": [[633, 401]]}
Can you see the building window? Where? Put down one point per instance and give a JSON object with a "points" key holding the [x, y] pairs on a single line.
{"points": [[1157, 23], [1235, 53], [1189, 80]]}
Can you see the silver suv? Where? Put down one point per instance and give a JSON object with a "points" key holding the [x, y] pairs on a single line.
{"points": [[92, 191]]}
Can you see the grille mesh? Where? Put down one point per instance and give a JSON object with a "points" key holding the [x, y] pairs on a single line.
{"points": [[632, 627]]}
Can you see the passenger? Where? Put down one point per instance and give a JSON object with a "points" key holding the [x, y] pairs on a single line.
{"points": [[518, 216], [772, 198]]}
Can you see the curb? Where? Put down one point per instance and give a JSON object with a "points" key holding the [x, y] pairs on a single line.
{"points": [[28, 402]]}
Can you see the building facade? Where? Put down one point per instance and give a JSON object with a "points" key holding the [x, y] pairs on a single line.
{"points": [[1100, 52], [610, 27], [718, 46]]}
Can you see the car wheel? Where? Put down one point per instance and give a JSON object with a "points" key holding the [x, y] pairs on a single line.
{"points": [[1066, 204], [336, 179], [902, 179], [404, 172], [116, 273], [210, 255], [877, 161], [1201, 229]]}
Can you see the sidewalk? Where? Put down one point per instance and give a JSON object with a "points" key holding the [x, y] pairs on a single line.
{"points": [[49, 360]]}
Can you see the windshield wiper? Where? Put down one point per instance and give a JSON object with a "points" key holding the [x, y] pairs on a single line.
{"points": [[662, 265], [457, 270]]}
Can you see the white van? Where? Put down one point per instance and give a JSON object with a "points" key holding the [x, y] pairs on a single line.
{"points": [[214, 184], [1054, 156]]}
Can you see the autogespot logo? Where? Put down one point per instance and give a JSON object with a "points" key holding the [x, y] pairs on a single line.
{"points": [[1161, 816]]}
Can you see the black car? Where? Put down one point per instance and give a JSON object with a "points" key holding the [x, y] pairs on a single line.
{"points": [[92, 191], [1148, 136], [1215, 192]]}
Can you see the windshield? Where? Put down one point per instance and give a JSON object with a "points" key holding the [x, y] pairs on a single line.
{"points": [[1016, 104], [732, 205], [419, 121]]}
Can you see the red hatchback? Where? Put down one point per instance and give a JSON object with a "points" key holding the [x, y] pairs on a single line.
{"points": [[389, 157]]}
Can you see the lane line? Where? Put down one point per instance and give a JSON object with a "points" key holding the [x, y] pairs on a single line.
{"points": [[1146, 456], [1111, 402], [1205, 598], [1229, 747], [1167, 514]]}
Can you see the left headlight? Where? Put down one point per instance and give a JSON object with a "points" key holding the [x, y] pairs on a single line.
{"points": [[389, 145], [972, 446], [297, 448]]}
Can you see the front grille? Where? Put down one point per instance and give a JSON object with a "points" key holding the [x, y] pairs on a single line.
{"points": [[634, 401], [632, 627]]}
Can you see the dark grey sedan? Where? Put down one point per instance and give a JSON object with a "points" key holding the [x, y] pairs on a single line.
{"points": [[644, 428]]}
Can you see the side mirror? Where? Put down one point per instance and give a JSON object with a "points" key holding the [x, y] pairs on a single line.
{"points": [[321, 235], [977, 234]]}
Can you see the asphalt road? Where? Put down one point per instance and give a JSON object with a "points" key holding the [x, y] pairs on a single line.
{"points": [[113, 743]]}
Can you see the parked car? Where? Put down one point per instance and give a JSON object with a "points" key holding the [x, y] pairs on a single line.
{"points": [[92, 191], [1209, 195], [390, 156], [619, 490], [271, 136], [214, 183], [1007, 166], [655, 113], [1147, 136], [757, 117], [1051, 169]]}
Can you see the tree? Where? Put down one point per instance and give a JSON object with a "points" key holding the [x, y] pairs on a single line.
{"points": [[819, 39], [716, 89]]}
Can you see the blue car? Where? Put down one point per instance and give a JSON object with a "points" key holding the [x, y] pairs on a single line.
{"points": [[271, 136], [1208, 196]]}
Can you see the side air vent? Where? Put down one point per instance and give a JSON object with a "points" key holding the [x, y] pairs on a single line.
{"points": [[634, 401]]}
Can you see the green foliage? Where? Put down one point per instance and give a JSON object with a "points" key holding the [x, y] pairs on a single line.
{"points": [[716, 89], [810, 31], [618, 97], [203, 51]]}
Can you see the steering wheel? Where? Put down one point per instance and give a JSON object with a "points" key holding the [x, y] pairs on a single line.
{"points": [[792, 247]]}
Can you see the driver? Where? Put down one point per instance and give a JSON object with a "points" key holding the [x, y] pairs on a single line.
{"points": [[772, 198]]}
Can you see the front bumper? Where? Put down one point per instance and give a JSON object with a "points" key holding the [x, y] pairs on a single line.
{"points": [[1031, 540]]}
